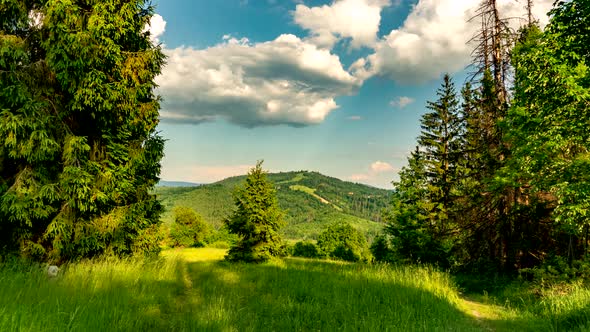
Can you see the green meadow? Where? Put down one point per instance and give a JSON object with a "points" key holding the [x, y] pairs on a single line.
{"points": [[194, 290]]}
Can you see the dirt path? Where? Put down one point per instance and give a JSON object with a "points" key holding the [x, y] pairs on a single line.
{"points": [[490, 317]]}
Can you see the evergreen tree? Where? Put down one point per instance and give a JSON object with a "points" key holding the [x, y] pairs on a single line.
{"points": [[256, 220], [412, 231], [419, 221], [78, 115], [441, 142]]}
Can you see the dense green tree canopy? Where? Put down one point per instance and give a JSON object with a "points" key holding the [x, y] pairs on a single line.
{"points": [[78, 115], [342, 241], [189, 229]]}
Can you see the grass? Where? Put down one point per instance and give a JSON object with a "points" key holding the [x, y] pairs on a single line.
{"points": [[311, 192], [193, 290]]}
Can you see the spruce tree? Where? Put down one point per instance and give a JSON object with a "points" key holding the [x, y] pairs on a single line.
{"points": [[441, 143], [257, 219], [78, 115], [420, 220]]}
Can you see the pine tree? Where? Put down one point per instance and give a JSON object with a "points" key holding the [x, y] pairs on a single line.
{"points": [[256, 221], [419, 221], [441, 143], [78, 115]]}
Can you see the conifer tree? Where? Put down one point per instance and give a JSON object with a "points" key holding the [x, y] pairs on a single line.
{"points": [[79, 153], [441, 144], [257, 219], [419, 221]]}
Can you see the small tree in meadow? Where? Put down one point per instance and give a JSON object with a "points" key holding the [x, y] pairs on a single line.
{"points": [[256, 220], [305, 249], [342, 241], [189, 229]]}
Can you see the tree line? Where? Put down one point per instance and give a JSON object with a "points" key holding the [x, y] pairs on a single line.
{"points": [[500, 177]]}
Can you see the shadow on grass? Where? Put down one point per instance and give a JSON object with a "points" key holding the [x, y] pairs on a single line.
{"points": [[317, 296]]}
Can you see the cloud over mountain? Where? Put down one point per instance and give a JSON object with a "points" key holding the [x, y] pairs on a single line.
{"points": [[284, 81]]}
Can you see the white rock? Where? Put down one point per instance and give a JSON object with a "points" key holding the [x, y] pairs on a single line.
{"points": [[52, 271]]}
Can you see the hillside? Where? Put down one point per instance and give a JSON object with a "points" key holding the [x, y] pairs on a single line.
{"points": [[312, 201]]}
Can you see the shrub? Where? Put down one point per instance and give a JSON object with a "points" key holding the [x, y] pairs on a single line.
{"points": [[305, 249], [342, 241], [381, 249], [189, 229]]}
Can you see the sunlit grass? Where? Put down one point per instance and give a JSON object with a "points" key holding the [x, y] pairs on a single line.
{"points": [[193, 290]]}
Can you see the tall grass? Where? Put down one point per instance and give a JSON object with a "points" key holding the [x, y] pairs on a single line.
{"points": [[192, 290]]}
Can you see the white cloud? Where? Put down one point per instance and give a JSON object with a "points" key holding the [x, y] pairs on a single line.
{"points": [[379, 174], [284, 81], [380, 167], [355, 19], [355, 118], [433, 40], [156, 27], [401, 102]]}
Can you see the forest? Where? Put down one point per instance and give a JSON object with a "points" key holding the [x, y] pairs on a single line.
{"points": [[487, 227]]}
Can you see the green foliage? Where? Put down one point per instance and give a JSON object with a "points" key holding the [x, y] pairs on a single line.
{"points": [[79, 151], [499, 184], [189, 229], [548, 123], [421, 216], [256, 220], [381, 249], [305, 249], [342, 241]]}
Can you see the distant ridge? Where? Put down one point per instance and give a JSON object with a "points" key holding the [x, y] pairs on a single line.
{"points": [[312, 201], [163, 183]]}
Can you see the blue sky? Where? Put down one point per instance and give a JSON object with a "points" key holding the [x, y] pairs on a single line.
{"points": [[335, 86]]}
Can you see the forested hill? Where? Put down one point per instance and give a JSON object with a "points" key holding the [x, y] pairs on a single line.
{"points": [[312, 202]]}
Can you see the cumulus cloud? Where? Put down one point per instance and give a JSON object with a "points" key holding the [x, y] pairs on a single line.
{"points": [[378, 174], [355, 19], [156, 27], [380, 167], [401, 102], [284, 81], [433, 40]]}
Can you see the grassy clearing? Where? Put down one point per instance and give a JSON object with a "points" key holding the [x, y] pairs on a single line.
{"points": [[311, 192], [192, 290], [526, 307]]}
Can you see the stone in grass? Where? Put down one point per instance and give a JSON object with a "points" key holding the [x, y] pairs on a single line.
{"points": [[52, 271]]}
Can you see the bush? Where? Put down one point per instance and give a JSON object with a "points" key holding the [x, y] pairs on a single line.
{"points": [[189, 229], [381, 249], [305, 249], [222, 235], [342, 241]]}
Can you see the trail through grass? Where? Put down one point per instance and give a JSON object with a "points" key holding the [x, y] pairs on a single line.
{"points": [[193, 290]]}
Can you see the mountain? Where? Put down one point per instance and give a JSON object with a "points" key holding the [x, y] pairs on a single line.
{"points": [[164, 183], [312, 202]]}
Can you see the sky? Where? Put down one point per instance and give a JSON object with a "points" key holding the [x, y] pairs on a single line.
{"points": [[334, 86]]}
